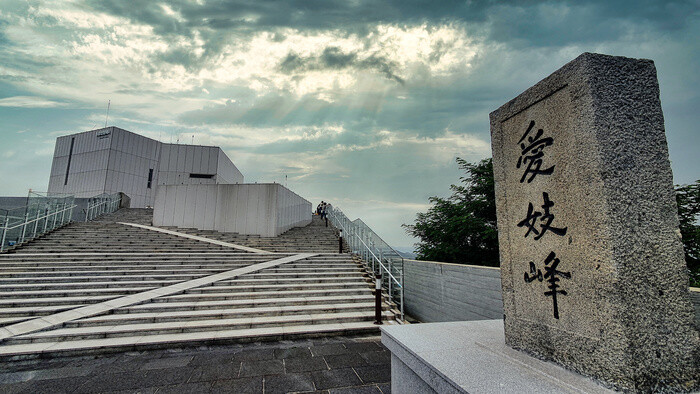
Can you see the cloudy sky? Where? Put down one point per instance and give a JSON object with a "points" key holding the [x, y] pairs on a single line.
{"points": [[364, 103]]}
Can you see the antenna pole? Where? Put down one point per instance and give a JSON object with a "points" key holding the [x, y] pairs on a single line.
{"points": [[107, 116]]}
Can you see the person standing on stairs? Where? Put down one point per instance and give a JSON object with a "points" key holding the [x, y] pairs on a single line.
{"points": [[323, 209]]}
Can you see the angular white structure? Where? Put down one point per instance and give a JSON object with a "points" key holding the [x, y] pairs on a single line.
{"points": [[111, 160], [265, 209]]}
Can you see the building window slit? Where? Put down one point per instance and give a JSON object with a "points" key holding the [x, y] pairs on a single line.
{"points": [[150, 177], [70, 156], [202, 176]]}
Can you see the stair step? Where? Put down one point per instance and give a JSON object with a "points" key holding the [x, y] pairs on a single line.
{"points": [[153, 317], [100, 346], [98, 332]]}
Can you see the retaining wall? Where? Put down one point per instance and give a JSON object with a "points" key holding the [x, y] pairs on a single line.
{"points": [[436, 292], [266, 209]]}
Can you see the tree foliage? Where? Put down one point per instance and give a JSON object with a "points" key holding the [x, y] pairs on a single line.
{"points": [[688, 200], [461, 228]]}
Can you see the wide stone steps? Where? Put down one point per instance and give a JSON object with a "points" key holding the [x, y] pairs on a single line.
{"points": [[90, 265], [126, 330], [202, 338], [245, 303], [259, 294], [82, 285], [224, 313]]}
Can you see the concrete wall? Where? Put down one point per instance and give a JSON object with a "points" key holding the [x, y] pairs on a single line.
{"points": [[695, 298], [111, 160], [292, 210], [264, 209], [226, 171], [436, 292]]}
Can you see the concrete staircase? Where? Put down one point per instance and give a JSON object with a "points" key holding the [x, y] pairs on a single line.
{"points": [[102, 286], [314, 238]]}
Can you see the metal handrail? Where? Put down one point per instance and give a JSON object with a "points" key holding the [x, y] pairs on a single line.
{"points": [[40, 218], [52, 210], [338, 219], [104, 203], [379, 261], [26, 222]]}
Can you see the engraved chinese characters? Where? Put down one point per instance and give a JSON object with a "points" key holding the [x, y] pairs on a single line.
{"points": [[532, 154], [551, 273], [532, 147]]}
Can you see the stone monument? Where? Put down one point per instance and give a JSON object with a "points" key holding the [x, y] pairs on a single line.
{"points": [[593, 272]]}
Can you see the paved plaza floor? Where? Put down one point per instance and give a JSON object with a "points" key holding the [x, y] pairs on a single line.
{"points": [[324, 365]]}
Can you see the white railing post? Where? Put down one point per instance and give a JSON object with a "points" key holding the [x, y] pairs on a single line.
{"points": [[55, 217], [24, 225], [402, 282], [63, 214], [36, 221], [4, 233]]}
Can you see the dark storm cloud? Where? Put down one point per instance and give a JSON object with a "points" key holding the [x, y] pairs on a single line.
{"points": [[335, 59], [521, 17]]}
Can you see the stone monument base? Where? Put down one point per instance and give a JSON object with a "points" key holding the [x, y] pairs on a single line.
{"points": [[471, 357]]}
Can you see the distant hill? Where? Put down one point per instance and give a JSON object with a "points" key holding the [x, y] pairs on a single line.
{"points": [[405, 254]]}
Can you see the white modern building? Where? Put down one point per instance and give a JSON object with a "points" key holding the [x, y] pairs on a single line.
{"points": [[111, 160]]}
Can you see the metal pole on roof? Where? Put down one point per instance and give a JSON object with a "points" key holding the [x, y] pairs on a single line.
{"points": [[107, 116]]}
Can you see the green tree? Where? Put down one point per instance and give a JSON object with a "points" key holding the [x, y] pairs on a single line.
{"points": [[688, 199], [461, 228]]}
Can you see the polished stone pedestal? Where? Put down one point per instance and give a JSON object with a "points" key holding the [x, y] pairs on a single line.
{"points": [[471, 357]]}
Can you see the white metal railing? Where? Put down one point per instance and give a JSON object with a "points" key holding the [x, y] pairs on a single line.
{"points": [[377, 255], [38, 219], [45, 212], [99, 205]]}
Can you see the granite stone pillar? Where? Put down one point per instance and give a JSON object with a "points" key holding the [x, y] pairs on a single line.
{"points": [[593, 272]]}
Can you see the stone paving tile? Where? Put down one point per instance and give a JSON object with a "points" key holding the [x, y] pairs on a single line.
{"points": [[386, 388], [357, 390], [146, 390], [364, 346], [252, 385], [254, 355], [344, 377], [345, 360], [379, 357], [357, 365], [330, 349], [211, 359], [291, 382], [54, 386], [292, 352], [15, 388], [304, 364], [374, 373], [260, 368], [112, 381], [190, 388], [167, 362], [216, 372], [165, 377]]}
